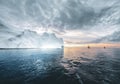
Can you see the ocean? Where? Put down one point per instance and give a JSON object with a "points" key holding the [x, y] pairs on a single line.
{"points": [[70, 65]]}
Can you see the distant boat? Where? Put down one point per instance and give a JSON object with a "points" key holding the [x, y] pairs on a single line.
{"points": [[104, 47], [88, 47]]}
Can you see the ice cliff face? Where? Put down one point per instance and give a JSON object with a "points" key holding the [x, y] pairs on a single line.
{"points": [[30, 39], [50, 40]]}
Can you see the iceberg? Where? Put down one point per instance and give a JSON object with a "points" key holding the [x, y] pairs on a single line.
{"points": [[49, 40], [31, 39]]}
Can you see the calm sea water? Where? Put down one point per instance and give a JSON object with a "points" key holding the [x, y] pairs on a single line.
{"points": [[60, 66]]}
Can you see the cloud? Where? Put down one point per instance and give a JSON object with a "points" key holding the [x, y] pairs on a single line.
{"points": [[115, 37], [67, 14], [95, 19]]}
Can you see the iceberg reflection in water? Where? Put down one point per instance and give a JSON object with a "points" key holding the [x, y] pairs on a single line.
{"points": [[28, 66], [60, 66]]}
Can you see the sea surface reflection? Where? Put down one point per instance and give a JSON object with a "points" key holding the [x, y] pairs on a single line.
{"points": [[60, 66]]}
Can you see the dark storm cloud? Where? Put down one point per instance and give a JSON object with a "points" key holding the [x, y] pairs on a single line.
{"points": [[75, 15], [67, 14], [64, 13]]}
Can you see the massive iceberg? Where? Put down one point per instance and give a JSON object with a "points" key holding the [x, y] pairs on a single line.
{"points": [[31, 39]]}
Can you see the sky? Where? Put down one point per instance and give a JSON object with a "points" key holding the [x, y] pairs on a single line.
{"points": [[76, 21]]}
